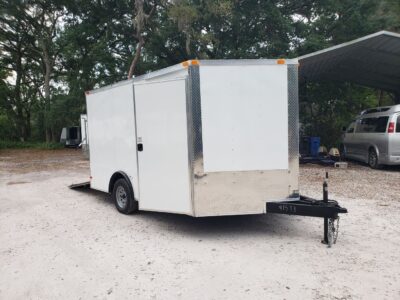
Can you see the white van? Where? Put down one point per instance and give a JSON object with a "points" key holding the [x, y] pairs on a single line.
{"points": [[374, 137]]}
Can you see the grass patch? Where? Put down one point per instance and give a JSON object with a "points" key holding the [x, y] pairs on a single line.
{"points": [[29, 145]]}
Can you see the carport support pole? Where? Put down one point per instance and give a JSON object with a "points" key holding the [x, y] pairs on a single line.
{"points": [[325, 199]]}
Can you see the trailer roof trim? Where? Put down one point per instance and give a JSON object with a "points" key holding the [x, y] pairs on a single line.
{"points": [[113, 85], [373, 61], [195, 62], [235, 62]]}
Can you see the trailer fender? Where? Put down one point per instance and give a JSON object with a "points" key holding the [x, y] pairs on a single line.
{"points": [[117, 175]]}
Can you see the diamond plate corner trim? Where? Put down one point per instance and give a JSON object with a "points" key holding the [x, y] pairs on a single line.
{"points": [[195, 139], [293, 112]]}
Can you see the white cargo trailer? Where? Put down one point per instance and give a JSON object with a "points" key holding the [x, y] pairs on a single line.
{"points": [[202, 138]]}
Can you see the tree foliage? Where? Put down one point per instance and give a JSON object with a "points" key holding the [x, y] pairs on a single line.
{"points": [[52, 51]]}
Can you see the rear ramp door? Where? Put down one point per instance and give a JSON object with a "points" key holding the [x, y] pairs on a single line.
{"points": [[244, 117]]}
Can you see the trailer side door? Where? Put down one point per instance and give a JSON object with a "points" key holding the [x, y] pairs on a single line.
{"points": [[162, 139]]}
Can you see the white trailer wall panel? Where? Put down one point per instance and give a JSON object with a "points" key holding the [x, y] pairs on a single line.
{"points": [[244, 117], [112, 131]]}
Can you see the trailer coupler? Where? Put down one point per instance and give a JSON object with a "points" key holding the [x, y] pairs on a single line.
{"points": [[305, 206]]}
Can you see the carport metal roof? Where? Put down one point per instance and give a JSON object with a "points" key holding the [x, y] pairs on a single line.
{"points": [[373, 61]]}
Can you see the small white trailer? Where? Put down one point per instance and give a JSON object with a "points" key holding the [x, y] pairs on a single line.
{"points": [[201, 138]]}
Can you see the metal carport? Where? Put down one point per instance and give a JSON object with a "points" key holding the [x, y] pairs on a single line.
{"points": [[373, 61]]}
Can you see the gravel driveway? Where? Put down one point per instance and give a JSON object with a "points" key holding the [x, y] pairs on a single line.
{"points": [[60, 243]]}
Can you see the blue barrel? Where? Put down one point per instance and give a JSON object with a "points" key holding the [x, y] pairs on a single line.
{"points": [[315, 142]]}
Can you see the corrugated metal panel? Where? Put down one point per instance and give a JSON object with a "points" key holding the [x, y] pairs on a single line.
{"points": [[373, 61]]}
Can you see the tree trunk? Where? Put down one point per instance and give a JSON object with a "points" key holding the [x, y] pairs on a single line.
{"points": [[380, 97], [187, 45], [140, 20], [19, 115], [136, 58], [28, 129], [54, 135], [47, 74]]}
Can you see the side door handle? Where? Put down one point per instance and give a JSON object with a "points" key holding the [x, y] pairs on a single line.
{"points": [[140, 147]]}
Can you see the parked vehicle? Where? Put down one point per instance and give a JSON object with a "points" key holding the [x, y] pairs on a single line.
{"points": [[71, 136], [374, 137]]}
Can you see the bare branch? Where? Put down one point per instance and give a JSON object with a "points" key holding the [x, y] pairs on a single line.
{"points": [[140, 20]]}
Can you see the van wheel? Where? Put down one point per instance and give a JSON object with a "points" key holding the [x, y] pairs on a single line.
{"points": [[373, 159], [123, 197]]}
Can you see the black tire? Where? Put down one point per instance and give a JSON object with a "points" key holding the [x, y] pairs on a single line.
{"points": [[122, 196], [373, 159]]}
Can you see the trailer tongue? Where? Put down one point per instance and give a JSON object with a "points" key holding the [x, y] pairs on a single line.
{"points": [[305, 206]]}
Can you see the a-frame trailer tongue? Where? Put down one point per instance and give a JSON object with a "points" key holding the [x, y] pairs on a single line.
{"points": [[305, 206]]}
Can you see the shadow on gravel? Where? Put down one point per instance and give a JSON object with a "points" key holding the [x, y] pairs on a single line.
{"points": [[361, 165], [207, 227], [391, 168]]}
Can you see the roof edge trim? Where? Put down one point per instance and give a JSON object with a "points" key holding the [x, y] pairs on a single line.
{"points": [[379, 33]]}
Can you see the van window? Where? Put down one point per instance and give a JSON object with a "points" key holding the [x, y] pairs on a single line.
{"points": [[375, 110], [398, 124], [381, 124], [370, 125], [73, 133], [350, 129], [365, 125]]}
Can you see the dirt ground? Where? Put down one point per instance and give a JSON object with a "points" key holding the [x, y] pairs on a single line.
{"points": [[60, 243]]}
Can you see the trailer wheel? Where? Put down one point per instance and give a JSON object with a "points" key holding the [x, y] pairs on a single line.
{"points": [[373, 159], [123, 197]]}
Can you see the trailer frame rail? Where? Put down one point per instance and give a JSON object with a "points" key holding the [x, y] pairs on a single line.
{"points": [[306, 206]]}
